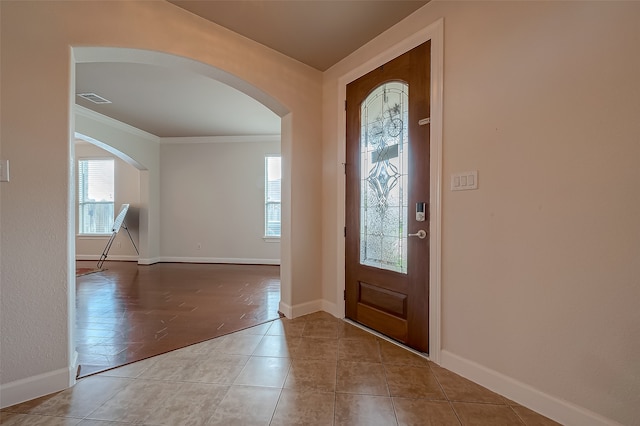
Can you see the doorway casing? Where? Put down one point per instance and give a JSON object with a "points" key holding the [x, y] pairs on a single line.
{"points": [[435, 33]]}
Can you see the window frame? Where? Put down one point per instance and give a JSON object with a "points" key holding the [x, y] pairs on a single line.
{"points": [[79, 203], [266, 237]]}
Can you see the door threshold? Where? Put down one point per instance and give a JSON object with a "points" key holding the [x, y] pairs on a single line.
{"points": [[387, 338]]}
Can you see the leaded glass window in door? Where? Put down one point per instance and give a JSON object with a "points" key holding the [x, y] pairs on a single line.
{"points": [[384, 177]]}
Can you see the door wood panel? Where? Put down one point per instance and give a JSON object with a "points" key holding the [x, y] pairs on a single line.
{"points": [[392, 301]]}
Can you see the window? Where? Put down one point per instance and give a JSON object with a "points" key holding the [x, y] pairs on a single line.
{"points": [[95, 196], [272, 197]]}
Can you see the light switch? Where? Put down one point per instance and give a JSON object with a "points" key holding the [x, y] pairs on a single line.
{"points": [[464, 181], [4, 170]]}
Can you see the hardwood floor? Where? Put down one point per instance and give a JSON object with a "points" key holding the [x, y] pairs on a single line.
{"points": [[130, 312]]}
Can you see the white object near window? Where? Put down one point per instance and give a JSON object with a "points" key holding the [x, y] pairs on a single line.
{"points": [[273, 177], [95, 196]]}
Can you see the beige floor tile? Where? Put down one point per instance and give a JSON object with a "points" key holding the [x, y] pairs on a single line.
{"points": [[348, 331], [459, 389], [11, 419], [358, 350], [137, 401], [327, 376], [286, 327], [239, 344], [193, 404], [472, 414], [321, 328], [394, 354], [264, 371], [364, 410], [531, 418], [219, 368], [77, 401], [320, 315], [311, 348], [177, 365], [203, 348], [424, 412], [412, 382], [278, 346], [366, 378], [258, 330], [311, 374], [132, 370], [245, 405], [304, 408]]}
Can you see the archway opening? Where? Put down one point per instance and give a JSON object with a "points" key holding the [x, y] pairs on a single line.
{"points": [[157, 154]]}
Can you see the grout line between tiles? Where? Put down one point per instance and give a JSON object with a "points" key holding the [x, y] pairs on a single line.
{"points": [[454, 412], [516, 413]]}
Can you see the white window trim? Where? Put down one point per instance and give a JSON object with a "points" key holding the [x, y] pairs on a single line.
{"points": [[90, 236], [269, 238]]}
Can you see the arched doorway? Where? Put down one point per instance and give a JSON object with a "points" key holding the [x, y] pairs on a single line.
{"points": [[151, 190]]}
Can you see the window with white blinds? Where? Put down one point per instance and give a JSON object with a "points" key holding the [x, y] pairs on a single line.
{"points": [[273, 177], [95, 196]]}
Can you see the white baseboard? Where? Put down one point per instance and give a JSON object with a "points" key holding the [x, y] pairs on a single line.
{"points": [[124, 257], [555, 408], [175, 259], [285, 309], [331, 308], [240, 261], [296, 311], [36, 386], [306, 308]]}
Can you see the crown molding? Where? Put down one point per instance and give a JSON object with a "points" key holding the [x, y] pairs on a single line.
{"points": [[221, 139], [86, 112]]}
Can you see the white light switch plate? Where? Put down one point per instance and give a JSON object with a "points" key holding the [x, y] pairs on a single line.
{"points": [[4, 170], [464, 181]]}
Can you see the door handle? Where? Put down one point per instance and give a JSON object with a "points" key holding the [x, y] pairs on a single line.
{"points": [[420, 234]]}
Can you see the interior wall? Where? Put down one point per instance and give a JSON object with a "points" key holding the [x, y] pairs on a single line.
{"points": [[540, 264], [139, 149], [213, 200], [126, 191], [36, 48]]}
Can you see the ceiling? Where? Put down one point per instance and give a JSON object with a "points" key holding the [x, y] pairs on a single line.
{"points": [[168, 102], [317, 33]]}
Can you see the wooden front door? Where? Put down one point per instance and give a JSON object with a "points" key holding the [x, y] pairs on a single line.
{"points": [[387, 199]]}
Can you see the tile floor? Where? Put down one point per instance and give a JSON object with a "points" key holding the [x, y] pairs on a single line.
{"points": [[313, 370], [130, 312]]}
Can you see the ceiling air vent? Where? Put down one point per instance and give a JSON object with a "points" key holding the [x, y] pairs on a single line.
{"points": [[94, 98]]}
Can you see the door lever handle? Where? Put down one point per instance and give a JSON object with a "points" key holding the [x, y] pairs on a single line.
{"points": [[420, 234]]}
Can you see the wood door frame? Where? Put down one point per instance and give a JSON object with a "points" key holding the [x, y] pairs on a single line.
{"points": [[435, 33]]}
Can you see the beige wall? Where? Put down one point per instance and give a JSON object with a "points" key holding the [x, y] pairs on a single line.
{"points": [[541, 264], [37, 205], [141, 150], [213, 195]]}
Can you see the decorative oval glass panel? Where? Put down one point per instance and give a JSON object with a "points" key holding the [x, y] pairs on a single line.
{"points": [[384, 179]]}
